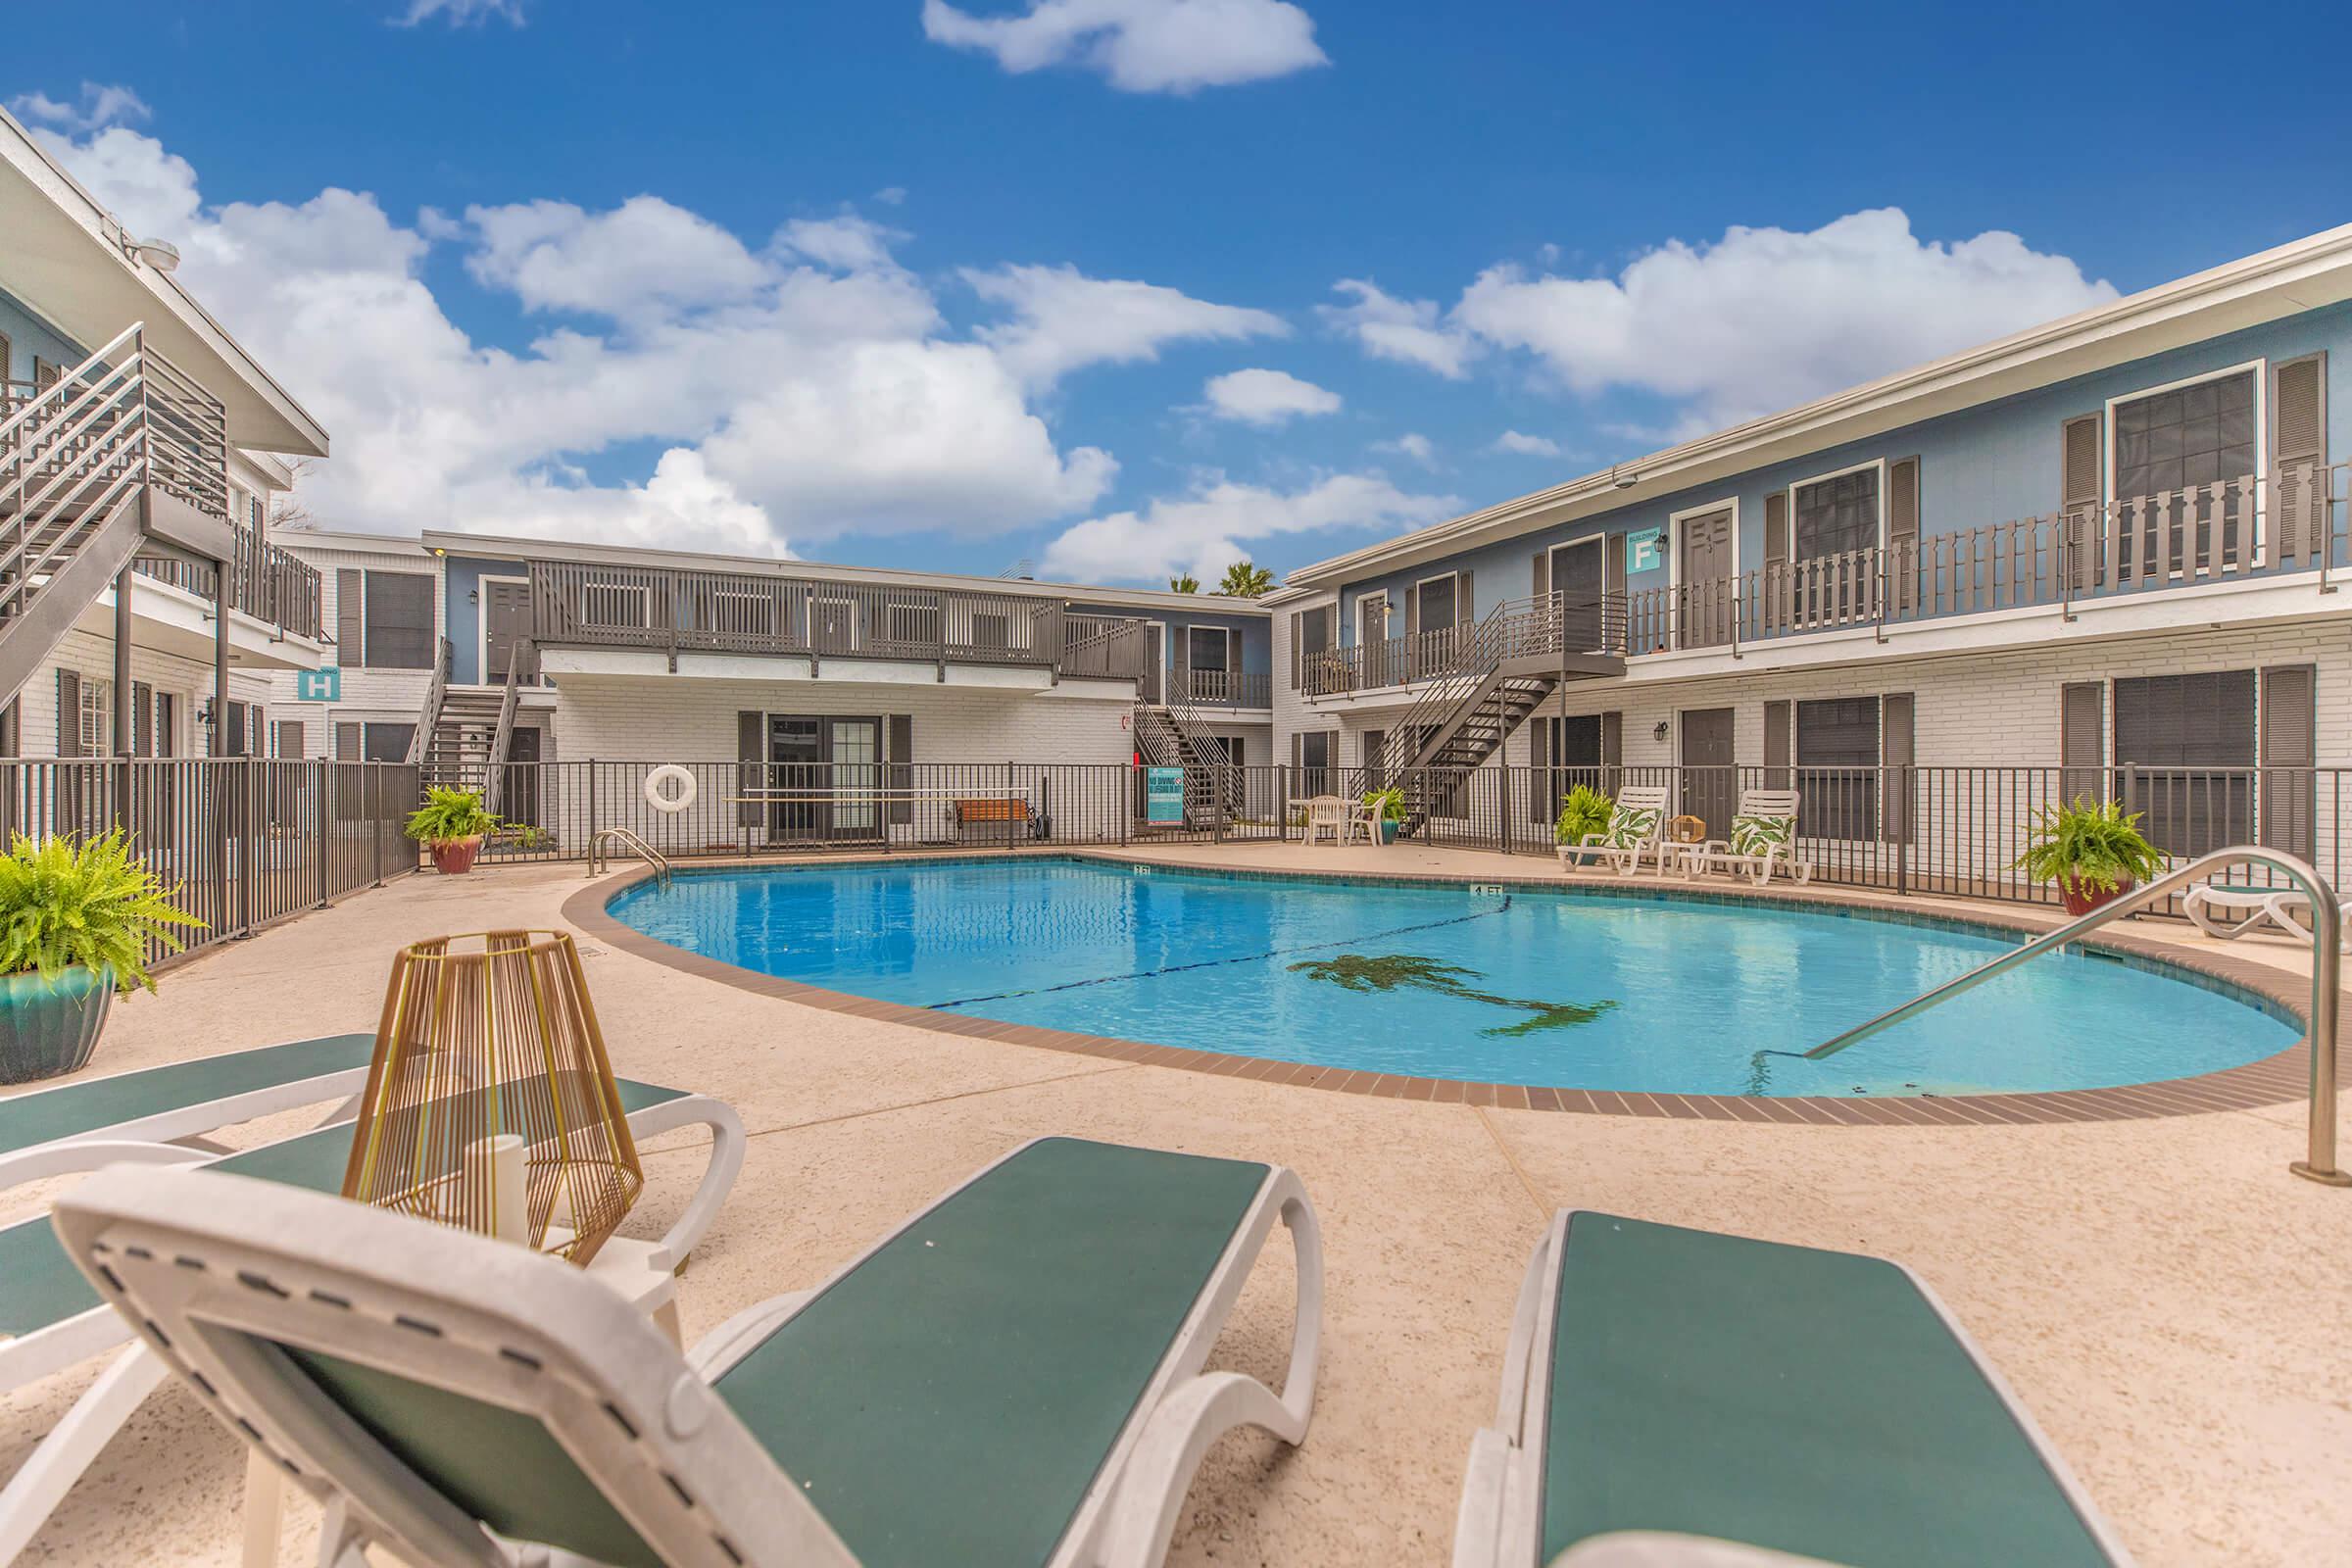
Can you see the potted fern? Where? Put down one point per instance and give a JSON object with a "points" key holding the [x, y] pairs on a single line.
{"points": [[75, 920], [451, 824], [1387, 806], [1583, 813], [2094, 850]]}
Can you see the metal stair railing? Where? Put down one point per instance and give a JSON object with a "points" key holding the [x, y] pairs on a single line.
{"points": [[494, 771], [2327, 958], [1207, 753], [428, 715]]}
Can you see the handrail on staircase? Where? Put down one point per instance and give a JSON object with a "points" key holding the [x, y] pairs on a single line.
{"points": [[494, 776], [428, 716], [2327, 958]]}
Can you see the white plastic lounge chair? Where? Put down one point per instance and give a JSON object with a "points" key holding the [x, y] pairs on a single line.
{"points": [[2231, 910], [1637, 828], [1012, 1376], [1763, 840], [51, 1321], [1780, 1398], [1327, 814]]}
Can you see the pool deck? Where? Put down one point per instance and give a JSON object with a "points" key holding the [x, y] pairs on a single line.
{"points": [[2167, 1300]]}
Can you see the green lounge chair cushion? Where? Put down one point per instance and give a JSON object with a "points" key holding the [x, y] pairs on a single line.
{"points": [[1629, 827], [73, 1110], [951, 1399], [1809, 1402], [40, 1286], [1759, 836]]}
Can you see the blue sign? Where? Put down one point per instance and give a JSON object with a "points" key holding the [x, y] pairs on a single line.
{"points": [[1643, 549], [319, 685], [1163, 796]]}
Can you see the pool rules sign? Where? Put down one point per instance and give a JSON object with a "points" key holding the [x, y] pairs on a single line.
{"points": [[1163, 796]]}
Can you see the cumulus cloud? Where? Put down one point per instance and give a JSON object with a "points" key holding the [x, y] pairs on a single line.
{"points": [[101, 104], [1062, 319], [1409, 331], [1756, 320], [785, 394], [1412, 444], [1217, 521], [459, 13], [1526, 446], [1172, 46], [1268, 398]]}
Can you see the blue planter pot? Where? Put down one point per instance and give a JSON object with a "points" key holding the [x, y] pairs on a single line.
{"points": [[1388, 829], [50, 1029]]}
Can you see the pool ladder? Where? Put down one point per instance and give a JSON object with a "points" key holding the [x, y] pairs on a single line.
{"points": [[2326, 957], [630, 842]]}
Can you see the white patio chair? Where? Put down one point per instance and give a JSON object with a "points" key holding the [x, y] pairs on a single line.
{"points": [[1638, 828], [1327, 814], [1763, 840], [2229, 911]]}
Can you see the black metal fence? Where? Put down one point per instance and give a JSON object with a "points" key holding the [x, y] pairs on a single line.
{"points": [[1934, 830], [245, 841]]}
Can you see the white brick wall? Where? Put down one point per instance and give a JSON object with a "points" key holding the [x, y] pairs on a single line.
{"points": [[92, 657], [370, 696]]}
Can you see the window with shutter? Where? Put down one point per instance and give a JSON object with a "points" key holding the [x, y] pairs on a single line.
{"points": [[1436, 596], [1837, 742], [1837, 514], [386, 743], [398, 612], [2186, 746]]}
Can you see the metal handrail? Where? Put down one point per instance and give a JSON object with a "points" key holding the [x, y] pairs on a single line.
{"points": [[428, 715], [2326, 956], [635, 845]]}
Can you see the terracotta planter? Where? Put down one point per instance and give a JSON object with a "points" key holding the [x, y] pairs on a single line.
{"points": [[2080, 899], [455, 857], [45, 1029]]}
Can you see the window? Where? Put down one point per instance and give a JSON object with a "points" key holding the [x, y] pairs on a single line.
{"points": [[1314, 629], [1436, 602], [398, 610], [2185, 745], [1837, 753], [2190, 435], [1206, 646], [1838, 514], [385, 743], [97, 711]]}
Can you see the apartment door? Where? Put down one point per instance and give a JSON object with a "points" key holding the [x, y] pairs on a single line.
{"points": [[505, 621], [1578, 582], [796, 782], [1704, 592], [518, 800], [1155, 663], [854, 754], [1710, 783], [1372, 638]]}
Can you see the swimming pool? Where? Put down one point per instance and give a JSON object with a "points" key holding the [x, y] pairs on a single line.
{"points": [[1569, 989]]}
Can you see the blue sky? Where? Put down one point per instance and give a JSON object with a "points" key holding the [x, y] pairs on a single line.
{"points": [[1124, 286]]}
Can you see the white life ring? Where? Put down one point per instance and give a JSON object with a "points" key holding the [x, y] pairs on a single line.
{"points": [[659, 800]]}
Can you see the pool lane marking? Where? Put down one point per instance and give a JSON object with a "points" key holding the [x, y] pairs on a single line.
{"points": [[1211, 963]]}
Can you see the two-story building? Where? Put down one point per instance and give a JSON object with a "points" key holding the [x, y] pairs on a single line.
{"points": [[142, 601], [2110, 542]]}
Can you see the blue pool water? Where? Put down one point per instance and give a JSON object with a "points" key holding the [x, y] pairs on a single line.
{"points": [[1573, 990]]}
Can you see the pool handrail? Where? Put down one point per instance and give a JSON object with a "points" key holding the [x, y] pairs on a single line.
{"points": [[2325, 959], [632, 842]]}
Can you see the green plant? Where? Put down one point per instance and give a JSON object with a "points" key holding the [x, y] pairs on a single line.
{"points": [[89, 903], [1245, 580], [1184, 583], [1388, 803], [1584, 811], [448, 815], [2095, 845], [530, 838]]}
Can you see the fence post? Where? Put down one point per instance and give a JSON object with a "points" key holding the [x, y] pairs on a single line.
{"points": [[1008, 835], [590, 846], [1282, 802], [250, 837], [1502, 788], [1217, 801], [371, 801], [323, 831], [1910, 831]]}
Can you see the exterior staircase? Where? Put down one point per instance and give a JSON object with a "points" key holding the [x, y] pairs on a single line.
{"points": [[1169, 737], [456, 751], [122, 455]]}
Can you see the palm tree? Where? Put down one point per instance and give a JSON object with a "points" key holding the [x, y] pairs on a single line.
{"points": [[1186, 584], [1243, 580]]}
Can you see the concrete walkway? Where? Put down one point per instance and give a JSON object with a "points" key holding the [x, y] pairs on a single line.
{"points": [[2168, 1300]]}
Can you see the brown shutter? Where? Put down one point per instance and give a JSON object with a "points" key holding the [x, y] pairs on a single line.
{"points": [[1612, 749], [1896, 753], [1464, 605], [69, 713], [2082, 738], [1777, 729], [1903, 531], [1412, 609], [1540, 574], [2290, 750], [291, 740], [1233, 653], [142, 719], [257, 717], [899, 776], [347, 743], [1777, 589], [1616, 615], [45, 374], [167, 724], [1297, 649], [751, 755], [348, 652], [2084, 479], [2299, 456]]}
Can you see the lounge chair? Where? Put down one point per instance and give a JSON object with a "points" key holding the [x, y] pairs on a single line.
{"points": [[51, 1321], [1637, 827], [1011, 1376], [1763, 840], [1783, 1399], [2231, 910]]}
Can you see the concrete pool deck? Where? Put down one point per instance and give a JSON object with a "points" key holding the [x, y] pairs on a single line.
{"points": [[2167, 1300]]}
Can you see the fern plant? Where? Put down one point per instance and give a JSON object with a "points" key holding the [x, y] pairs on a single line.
{"points": [[1388, 804], [89, 903], [1584, 811], [448, 815], [2095, 846]]}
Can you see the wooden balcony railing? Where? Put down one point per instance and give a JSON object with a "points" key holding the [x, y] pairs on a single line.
{"points": [[763, 613], [264, 581], [1222, 688]]}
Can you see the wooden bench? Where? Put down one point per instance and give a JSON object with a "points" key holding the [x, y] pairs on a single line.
{"points": [[988, 820]]}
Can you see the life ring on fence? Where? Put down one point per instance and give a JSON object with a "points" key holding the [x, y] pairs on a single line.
{"points": [[659, 800]]}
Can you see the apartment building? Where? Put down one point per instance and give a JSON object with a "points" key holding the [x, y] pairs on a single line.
{"points": [[2109, 545]]}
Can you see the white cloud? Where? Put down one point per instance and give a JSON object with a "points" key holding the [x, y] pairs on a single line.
{"points": [[1412, 444], [459, 13], [1410, 330], [1526, 446], [1064, 320], [101, 104], [1765, 318], [892, 195], [786, 397], [1268, 398], [1175, 46], [1214, 523]]}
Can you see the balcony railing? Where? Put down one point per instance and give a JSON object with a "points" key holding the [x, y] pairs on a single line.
{"points": [[763, 613], [1549, 624], [264, 581], [2231, 531], [1222, 688]]}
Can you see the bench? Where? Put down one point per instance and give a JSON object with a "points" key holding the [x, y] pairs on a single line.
{"points": [[988, 820]]}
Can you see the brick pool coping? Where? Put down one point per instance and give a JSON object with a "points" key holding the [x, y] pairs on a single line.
{"points": [[2270, 1081]]}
